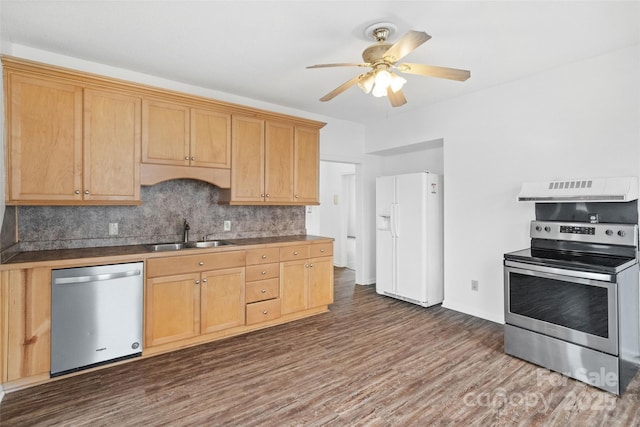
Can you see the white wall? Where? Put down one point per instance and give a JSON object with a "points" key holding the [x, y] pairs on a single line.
{"points": [[580, 120]]}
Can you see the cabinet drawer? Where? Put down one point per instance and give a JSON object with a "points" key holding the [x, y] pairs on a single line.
{"points": [[262, 290], [261, 272], [262, 311], [290, 253], [263, 256], [321, 249], [192, 263]]}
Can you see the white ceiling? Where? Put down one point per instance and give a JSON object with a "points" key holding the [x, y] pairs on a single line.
{"points": [[260, 49]]}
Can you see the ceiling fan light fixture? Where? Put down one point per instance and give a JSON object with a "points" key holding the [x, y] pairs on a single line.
{"points": [[397, 82], [366, 82]]}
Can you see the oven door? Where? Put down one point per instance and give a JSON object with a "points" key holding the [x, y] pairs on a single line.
{"points": [[575, 306]]}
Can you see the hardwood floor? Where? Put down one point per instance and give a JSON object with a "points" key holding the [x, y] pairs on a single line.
{"points": [[371, 361]]}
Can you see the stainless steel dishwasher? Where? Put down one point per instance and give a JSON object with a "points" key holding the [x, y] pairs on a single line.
{"points": [[96, 315]]}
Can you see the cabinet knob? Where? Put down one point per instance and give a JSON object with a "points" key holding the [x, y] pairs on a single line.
{"points": [[268, 195], [297, 197], [321, 250], [306, 266], [262, 195], [264, 257], [86, 191], [193, 158], [204, 280], [77, 191], [264, 272], [265, 312], [186, 157], [295, 252], [310, 265], [264, 291], [197, 282], [201, 263]]}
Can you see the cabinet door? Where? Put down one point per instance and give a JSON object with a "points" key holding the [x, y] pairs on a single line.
{"points": [[172, 308], [111, 146], [320, 281], [28, 322], [293, 285], [210, 139], [222, 299], [278, 162], [247, 159], [165, 133], [306, 165], [44, 143]]}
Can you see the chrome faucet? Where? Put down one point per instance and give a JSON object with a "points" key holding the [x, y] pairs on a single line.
{"points": [[185, 231]]}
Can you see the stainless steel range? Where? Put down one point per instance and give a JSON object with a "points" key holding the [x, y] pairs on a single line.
{"points": [[572, 298]]}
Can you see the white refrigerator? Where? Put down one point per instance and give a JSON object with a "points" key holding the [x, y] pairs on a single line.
{"points": [[409, 238]]}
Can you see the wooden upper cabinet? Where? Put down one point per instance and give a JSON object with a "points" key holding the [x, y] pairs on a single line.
{"points": [[111, 146], [71, 146], [273, 163], [44, 142], [278, 162], [306, 165], [176, 134], [247, 159], [165, 133], [210, 139]]}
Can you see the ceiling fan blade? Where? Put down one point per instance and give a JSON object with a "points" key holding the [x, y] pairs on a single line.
{"points": [[433, 71], [337, 91], [396, 98], [405, 45], [342, 64]]}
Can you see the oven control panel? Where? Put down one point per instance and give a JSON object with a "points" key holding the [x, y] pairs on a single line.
{"points": [[612, 234]]}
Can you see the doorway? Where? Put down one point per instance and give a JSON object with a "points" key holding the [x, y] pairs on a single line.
{"points": [[336, 215]]}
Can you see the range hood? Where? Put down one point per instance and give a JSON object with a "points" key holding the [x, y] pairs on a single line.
{"points": [[618, 189]]}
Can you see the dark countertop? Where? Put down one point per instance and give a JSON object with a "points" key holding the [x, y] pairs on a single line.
{"points": [[144, 251]]}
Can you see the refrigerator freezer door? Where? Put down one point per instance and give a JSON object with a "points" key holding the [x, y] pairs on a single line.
{"points": [[385, 242]]}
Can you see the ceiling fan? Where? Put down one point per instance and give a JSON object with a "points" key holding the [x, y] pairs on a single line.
{"points": [[382, 58]]}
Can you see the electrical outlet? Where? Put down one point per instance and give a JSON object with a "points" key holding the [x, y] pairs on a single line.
{"points": [[113, 229], [474, 285], [227, 226]]}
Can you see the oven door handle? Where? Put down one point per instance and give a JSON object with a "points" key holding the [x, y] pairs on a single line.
{"points": [[602, 277]]}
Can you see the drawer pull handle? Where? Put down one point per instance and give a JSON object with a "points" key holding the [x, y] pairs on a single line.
{"points": [[321, 250], [265, 312], [264, 257], [201, 263], [264, 272], [295, 252], [264, 291]]}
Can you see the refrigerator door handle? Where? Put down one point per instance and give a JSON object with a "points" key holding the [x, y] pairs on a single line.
{"points": [[394, 220]]}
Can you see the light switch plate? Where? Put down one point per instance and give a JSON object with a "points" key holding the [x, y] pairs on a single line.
{"points": [[227, 226]]}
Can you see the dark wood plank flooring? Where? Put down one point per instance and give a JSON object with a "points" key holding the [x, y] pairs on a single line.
{"points": [[371, 361]]}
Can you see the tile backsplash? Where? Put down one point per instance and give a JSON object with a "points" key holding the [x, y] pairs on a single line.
{"points": [[159, 219]]}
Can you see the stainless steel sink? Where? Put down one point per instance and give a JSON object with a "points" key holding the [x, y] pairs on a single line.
{"points": [[208, 244], [165, 247], [162, 247]]}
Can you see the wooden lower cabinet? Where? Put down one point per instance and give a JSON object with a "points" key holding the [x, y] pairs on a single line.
{"points": [[187, 305], [222, 299], [263, 285], [26, 323], [306, 282]]}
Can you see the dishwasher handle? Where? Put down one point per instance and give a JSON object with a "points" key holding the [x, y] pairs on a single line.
{"points": [[96, 277]]}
